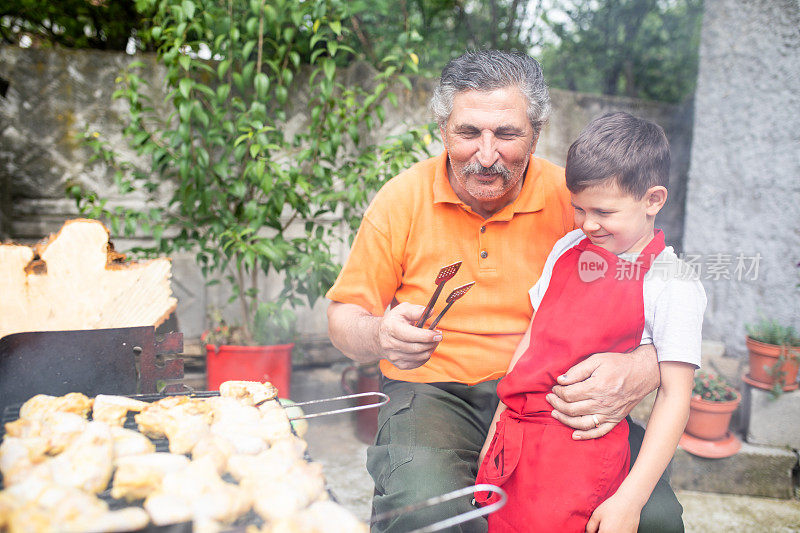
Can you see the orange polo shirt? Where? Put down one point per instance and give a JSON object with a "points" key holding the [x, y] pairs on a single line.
{"points": [[416, 224]]}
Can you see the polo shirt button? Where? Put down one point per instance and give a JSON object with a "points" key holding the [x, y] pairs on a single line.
{"points": [[483, 229], [484, 254]]}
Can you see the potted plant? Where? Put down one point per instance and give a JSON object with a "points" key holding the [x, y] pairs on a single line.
{"points": [[230, 355], [256, 154], [774, 354], [711, 407]]}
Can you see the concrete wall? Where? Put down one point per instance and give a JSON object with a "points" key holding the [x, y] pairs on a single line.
{"points": [[744, 179], [56, 94]]}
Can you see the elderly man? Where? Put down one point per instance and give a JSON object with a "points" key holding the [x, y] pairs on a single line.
{"points": [[489, 202]]}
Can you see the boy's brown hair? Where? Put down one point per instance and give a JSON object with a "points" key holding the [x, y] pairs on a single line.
{"points": [[632, 151]]}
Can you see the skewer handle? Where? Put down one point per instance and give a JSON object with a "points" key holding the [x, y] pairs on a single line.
{"points": [[454, 520], [384, 399]]}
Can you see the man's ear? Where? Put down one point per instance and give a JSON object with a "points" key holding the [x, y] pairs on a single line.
{"points": [[655, 198], [535, 142]]}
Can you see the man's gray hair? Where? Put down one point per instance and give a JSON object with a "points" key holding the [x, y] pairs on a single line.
{"points": [[487, 70]]}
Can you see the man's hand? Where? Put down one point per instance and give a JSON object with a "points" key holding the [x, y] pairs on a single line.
{"points": [[401, 342], [366, 338], [594, 395]]}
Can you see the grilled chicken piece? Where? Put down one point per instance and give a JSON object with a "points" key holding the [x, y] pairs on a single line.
{"points": [[138, 476], [87, 463], [35, 505], [277, 424], [196, 492], [19, 457], [248, 392], [321, 517], [272, 463], [23, 428], [183, 420], [41, 404], [114, 409], [282, 497], [58, 428], [130, 442], [239, 424], [215, 449]]}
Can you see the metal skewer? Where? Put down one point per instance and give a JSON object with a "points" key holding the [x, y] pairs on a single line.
{"points": [[458, 519], [384, 399]]}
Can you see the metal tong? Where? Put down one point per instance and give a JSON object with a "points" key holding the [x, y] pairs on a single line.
{"points": [[445, 274], [452, 521], [457, 293]]}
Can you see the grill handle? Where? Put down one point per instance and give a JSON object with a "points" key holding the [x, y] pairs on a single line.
{"points": [[383, 400], [452, 521]]}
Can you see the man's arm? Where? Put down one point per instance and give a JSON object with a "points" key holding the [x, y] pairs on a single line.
{"points": [[606, 385], [366, 338]]}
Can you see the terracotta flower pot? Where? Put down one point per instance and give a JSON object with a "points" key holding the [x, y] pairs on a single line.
{"points": [[250, 363], [709, 420], [763, 358]]}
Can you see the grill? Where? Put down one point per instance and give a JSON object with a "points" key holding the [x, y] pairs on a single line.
{"points": [[11, 413]]}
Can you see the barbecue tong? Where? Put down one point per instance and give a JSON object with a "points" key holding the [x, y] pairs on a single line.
{"points": [[445, 274]]}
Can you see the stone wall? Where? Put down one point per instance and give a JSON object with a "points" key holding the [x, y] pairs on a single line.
{"points": [[55, 95], [744, 181]]}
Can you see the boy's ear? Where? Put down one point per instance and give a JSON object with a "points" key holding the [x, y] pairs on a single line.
{"points": [[655, 198]]}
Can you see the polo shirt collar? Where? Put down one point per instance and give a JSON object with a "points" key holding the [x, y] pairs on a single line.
{"points": [[530, 199]]}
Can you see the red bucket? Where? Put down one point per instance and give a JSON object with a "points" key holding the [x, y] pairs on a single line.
{"points": [[250, 363]]}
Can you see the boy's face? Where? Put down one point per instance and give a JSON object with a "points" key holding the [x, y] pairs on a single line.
{"points": [[615, 220]]}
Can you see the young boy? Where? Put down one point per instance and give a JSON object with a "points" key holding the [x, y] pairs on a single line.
{"points": [[608, 286]]}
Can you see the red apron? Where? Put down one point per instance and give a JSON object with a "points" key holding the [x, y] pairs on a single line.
{"points": [[593, 304]]}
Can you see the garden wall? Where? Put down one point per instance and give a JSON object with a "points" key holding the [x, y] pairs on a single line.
{"points": [[55, 95], [744, 179]]}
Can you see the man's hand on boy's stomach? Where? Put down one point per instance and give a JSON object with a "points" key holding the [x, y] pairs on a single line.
{"points": [[597, 393]]}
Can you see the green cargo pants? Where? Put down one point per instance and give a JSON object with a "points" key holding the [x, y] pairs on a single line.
{"points": [[428, 442]]}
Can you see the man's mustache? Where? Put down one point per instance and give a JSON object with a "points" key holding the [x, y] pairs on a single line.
{"points": [[497, 168]]}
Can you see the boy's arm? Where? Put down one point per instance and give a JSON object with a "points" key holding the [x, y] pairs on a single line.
{"points": [[664, 429], [521, 347]]}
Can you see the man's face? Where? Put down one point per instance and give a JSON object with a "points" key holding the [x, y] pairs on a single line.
{"points": [[489, 140]]}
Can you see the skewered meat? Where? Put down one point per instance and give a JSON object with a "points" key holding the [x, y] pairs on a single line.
{"points": [[248, 392], [321, 517], [138, 476], [113, 409], [129, 442], [41, 404]]}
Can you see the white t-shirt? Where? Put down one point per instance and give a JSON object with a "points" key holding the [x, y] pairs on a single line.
{"points": [[674, 301]]}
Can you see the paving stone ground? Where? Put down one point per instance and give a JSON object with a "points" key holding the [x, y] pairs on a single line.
{"points": [[332, 442]]}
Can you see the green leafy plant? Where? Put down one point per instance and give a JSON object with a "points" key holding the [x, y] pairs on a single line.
{"points": [[772, 332], [258, 153], [713, 388], [272, 325]]}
